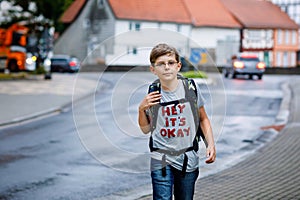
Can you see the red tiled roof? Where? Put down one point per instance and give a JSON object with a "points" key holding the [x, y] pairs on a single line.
{"points": [[72, 12], [259, 14], [151, 10], [210, 13], [214, 13]]}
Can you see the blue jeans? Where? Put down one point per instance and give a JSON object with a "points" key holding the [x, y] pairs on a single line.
{"points": [[183, 185]]}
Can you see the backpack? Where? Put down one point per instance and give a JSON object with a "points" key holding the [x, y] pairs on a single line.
{"points": [[191, 97]]}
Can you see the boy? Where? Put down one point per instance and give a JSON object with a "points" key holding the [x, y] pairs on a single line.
{"points": [[173, 127]]}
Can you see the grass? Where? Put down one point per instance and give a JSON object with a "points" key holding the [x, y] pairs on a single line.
{"points": [[194, 74], [21, 75], [39, 70], [13, 76]]}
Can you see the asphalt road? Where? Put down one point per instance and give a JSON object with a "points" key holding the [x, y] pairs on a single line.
{"points": [[95, 150]]}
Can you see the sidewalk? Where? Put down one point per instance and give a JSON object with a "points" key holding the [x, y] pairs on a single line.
{"points": [[271, 173], [22, 100]]}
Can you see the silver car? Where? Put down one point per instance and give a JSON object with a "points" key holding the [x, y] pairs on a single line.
{"points": [[244, 64]]}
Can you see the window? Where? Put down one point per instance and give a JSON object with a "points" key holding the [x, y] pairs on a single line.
{"points": [[137, 26], [178, 27], [100, 4], [293, 59], [134, 26], [131, 50], [159, 25], [278, 59], [134, 51], [285, 59], [287, 37], [279, 36], [294, 37]]}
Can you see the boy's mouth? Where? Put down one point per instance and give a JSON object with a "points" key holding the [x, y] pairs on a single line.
{"points": [[167, 74]]}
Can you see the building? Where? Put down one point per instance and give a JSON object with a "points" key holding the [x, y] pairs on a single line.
{"points": [[292, 8], [267, 31], [118, 32], [214, 29]]}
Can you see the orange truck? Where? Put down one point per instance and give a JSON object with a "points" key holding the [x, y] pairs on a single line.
{"points": [[13, 54]]}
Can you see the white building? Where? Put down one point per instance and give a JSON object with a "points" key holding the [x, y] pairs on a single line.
{"points": [[207, 32]]}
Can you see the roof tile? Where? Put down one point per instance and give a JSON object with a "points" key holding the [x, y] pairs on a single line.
{"points": [[151, 10], [215, 13], [210, 13], [259, 14], [72, 12]]}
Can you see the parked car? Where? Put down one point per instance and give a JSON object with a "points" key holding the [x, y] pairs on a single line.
{"points": [[64, 63], [244, 64]]}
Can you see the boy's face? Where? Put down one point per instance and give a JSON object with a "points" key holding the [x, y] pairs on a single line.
{"points": [[166, 67]]}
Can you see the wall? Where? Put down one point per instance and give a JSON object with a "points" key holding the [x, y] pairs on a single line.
{"points": [[217, 43], [285, 48], [72, 41], [134, 40], [99, 35], [207, 37]]}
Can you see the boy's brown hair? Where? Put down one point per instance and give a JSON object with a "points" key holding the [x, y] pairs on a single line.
{"points": [[163, 49]]}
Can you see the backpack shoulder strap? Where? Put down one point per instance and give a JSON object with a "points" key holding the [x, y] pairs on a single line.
{"points": [[192, 96]]}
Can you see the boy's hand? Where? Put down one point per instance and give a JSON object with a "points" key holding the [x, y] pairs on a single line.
{"points": [[210, 154], [151, 99]]}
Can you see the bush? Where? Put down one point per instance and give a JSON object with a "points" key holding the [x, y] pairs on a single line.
{"points": [[39, 70], [194, 74], [13, 76]]}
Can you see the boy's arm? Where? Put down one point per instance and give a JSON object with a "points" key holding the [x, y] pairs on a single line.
{"points": [[147, 102], [207, 131], [143, 121]]}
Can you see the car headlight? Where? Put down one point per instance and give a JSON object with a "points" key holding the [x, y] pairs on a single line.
{"points": [[47, 63], [31, 60]]}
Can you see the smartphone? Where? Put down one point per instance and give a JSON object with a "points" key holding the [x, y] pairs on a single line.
{"points": [[154, 88]]}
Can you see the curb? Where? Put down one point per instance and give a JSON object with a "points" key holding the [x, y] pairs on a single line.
{"points": [[31, 117], [284, 110], [63, 108], [47, 112]]}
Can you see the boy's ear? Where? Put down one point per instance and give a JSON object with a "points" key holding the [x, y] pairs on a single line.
{"points": [[179, 66], [152, 69]]}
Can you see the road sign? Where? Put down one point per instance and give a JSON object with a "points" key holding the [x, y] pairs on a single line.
{"points": [[197, 54]]}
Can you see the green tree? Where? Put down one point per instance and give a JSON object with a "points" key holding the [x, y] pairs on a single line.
{"points": [[50, 10]]}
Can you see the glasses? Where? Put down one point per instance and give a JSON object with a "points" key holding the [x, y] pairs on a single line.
{"points": [[170, 63]]}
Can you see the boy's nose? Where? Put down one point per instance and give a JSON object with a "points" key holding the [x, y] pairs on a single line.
{"points": [[167, 66]]}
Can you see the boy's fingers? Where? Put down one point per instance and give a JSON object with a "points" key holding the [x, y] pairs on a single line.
{"points": [[154, 93], [210, 156], [209, 160], [154, 98]]}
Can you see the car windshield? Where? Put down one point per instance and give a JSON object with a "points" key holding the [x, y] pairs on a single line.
{"points": [[74, 59], [58, 60], [249, 59]]}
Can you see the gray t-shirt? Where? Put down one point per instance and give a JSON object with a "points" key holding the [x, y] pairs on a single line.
{"points": [[175, 128]]}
